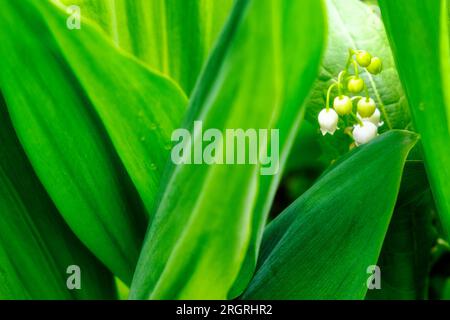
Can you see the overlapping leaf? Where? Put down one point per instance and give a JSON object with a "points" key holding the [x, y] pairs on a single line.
{"points": [[174, 36], [420, 40], [321, 246], [36, 246], [74, 85], [208, 225]]}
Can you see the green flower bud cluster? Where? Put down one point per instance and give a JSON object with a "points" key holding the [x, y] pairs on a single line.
{"points": [[347, 86]]}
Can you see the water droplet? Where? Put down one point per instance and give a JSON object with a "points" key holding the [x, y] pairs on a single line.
{"points": [[143, 138], [153, 166], [153, 126]]}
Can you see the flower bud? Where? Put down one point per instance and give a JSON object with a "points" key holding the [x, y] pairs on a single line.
{"points": [[366, 107], [364, 133], [375, 66], [355, 84], [342, 105], [363, 58], [375, 118], [328, 120]]}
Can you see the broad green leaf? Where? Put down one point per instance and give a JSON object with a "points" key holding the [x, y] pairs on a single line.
{"points": [[74, 85], [139, 108], [208, 225], [36, 245], [420, 40], [320, 247], [353, 24], [406, 254], [172, 36]]}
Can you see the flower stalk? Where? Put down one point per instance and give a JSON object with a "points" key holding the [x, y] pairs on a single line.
{"points": [[365, 118]]}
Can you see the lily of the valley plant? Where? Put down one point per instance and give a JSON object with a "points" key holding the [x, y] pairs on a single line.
{"points": [[367, 118], [93, 207]]}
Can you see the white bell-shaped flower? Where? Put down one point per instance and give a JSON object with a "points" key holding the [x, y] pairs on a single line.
{"points": [[328, 120], [364, 133], [375, 118]]}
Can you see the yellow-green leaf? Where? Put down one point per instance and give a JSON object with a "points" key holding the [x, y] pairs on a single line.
{"points": [[205, 237]]}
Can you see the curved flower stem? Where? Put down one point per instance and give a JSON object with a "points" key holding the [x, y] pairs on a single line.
{"points": [[328, 95], [366, 90], [356, 98], [355, 66], [357, 119], [348, 131], [340, 76], [351, 52]]}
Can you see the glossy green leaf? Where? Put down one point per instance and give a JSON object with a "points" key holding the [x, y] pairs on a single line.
{"points": [[173, 37], [353, 24], [320, 247], [36, 245], [61, 100], [420, 40], [209, 223], [139, 108], [406, 255]]}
